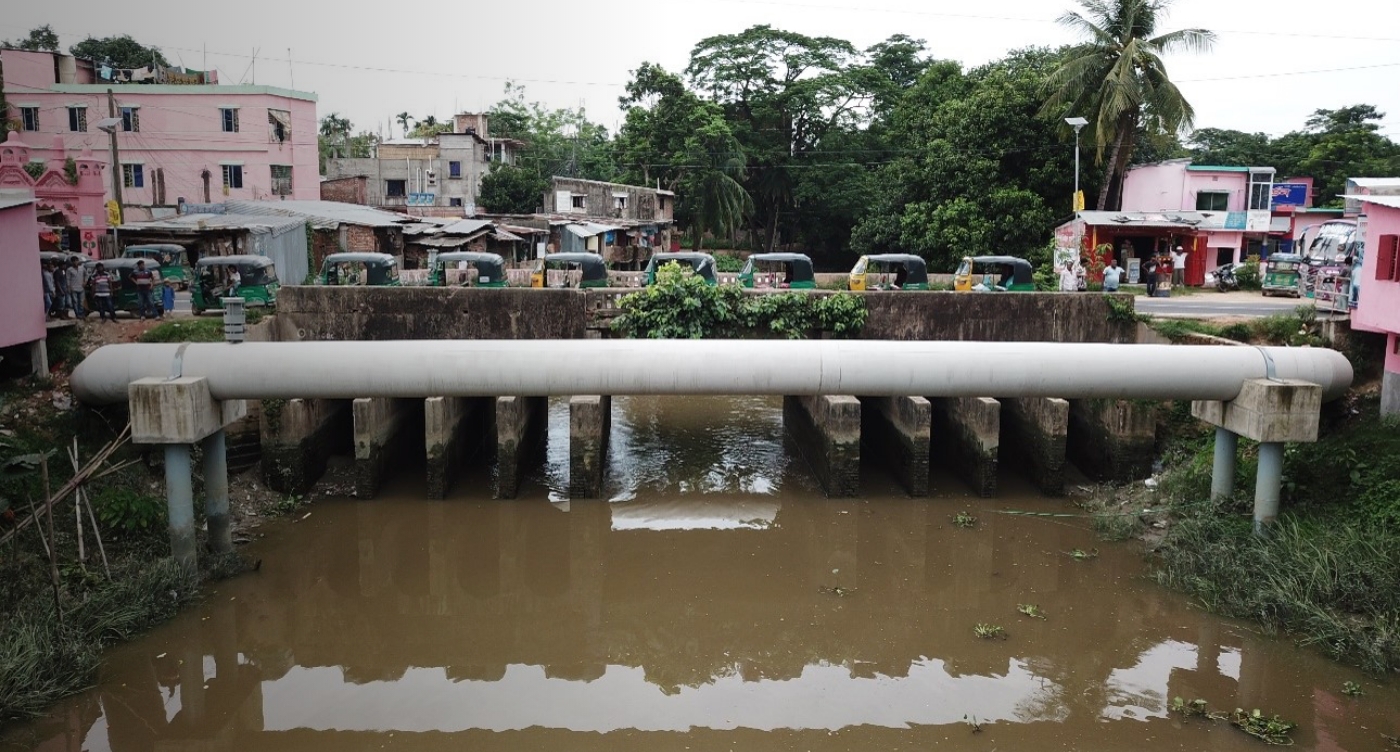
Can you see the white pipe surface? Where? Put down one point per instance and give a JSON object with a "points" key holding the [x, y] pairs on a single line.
{"points": [[489, 368]]}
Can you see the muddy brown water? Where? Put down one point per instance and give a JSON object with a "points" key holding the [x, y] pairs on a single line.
{"points": [[717, 601]]}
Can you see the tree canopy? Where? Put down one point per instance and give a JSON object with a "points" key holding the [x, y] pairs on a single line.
{"points": [[119, 51], [41, 38]]}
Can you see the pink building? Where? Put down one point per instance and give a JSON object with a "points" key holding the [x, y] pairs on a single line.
{"points": [[182, 139], [22, 329], [1378, 283], [1230, 206]]}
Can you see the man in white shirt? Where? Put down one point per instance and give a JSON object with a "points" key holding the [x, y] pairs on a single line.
{"points": [[1112, 276], [1178, 267]]}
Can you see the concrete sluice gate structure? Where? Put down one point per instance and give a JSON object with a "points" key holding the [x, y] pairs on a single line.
{"points": [[908, 402]]}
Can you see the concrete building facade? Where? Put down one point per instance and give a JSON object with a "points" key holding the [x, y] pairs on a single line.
{"points": [[21, 287], [200, 142], [1378, 282]]}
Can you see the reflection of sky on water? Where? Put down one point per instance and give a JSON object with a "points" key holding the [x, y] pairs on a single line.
{"points": [[704, 514], [823, 697], [1140, 691], [701, 445]]}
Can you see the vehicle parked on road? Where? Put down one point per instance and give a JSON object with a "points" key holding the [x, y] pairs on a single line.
{"points": [[360, 269], [578, 270], [124, 296], [702, 264], [1282, 274], [253, 278], [792, 271], [173, 260], [1225, 279], [889, 271], [469, 269], [994, 274]]}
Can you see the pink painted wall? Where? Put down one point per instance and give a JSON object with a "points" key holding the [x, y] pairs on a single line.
{"points": [[21, 289], [181, 132], [1171, 187], [1378, 308]]}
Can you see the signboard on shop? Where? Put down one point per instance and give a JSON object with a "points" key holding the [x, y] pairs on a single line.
{"points": [[1289, 194]]}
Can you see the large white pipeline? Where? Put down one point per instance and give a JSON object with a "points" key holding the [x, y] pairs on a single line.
{"points": [[465, 368]]}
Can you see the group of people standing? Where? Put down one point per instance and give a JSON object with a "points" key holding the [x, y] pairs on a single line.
{"points": [[1164, 269], [69, 287], [1073, 277]]}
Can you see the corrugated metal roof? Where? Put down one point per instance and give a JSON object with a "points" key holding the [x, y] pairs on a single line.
{"points": [[1215, 168], [264, 223], [589, 229], [9, 202], [467, 226], [1390, 201], [322, 215], [1178, 219], [1374, 182]]}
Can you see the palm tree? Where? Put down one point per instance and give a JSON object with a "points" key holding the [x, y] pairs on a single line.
{"points": [[403, 119], [714, 165], [1117, 78], [335, 128]]}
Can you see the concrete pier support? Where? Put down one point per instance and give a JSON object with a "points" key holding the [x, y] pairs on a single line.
{"points": [[826, 430], [520, 424], [897, 430], [378, 423], [967, 438], [1041, 429], [179, 503], [298, 435], [216, 515], [1222, 474], [1271, 412], [454, 429], [590, 422], [1113, 440]]}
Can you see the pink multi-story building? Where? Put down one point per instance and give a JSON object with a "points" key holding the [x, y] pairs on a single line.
{"points": [[1230, 206], [1378, 286], [185, 138]]}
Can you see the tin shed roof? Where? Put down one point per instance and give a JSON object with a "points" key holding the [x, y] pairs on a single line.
{"points": [[322, 215]]}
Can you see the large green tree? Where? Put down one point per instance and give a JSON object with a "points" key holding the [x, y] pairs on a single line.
{"points": [[1118, 80], [41, 38], [509, 189], [120, 51], [562, 142]]}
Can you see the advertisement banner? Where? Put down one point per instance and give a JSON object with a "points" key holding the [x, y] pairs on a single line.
{"points": [[1289, 194]]}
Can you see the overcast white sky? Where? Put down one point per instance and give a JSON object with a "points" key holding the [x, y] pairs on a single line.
{"points": [[369, 61]]}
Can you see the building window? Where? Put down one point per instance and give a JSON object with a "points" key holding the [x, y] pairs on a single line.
{"points": [[1388, 259], [279, 125], [396, 188], [1212, 201], [77, 119], [133, 176], [29, 118], [281, 180], [131, 119], [228, 119], [619, 202], [1261, 195], [454, 201], [454, 170], [578, 202], [233, 176]]}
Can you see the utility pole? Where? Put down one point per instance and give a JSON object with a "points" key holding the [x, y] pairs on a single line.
{"points": [[117, 176]]}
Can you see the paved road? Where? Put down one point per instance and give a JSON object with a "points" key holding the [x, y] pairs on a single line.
{"points": [[1211, 304]]}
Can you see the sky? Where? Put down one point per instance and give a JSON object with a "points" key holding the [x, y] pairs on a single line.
{"points": [[1273, 65]]}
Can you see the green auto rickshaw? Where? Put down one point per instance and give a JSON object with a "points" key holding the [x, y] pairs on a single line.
{"points": [[994, 274], [173, 260], [475, 269], [360, 269], [889, 271], [702, 264], [778, 270], [576, 270], [253, 278], [124, 297], [1282, 272]]}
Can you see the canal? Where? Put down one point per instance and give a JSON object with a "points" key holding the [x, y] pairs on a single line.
{"points": [[716, 601]]}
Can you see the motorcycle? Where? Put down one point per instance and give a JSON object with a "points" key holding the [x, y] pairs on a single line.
{"points": [[1225, 280]]}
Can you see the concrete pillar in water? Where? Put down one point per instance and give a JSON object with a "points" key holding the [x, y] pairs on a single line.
{"points": [[378, 422], [1267, 486], [179, 503], [1041, 426], [826, 430], [453, 431], [298, 436], [519, 433], [1271, 412], [216, 492], [897, 429], [590, 422], [1222, 473], [967, 437], [1113, 440]]}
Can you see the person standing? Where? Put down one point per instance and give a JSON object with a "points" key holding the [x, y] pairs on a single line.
{"points": [[145, 283], [1178, 267], [1069, 281], [46, 271], [77, 283], [60, 290], [1112, 275], [1149, 275], [167, 297], [102, 293]]}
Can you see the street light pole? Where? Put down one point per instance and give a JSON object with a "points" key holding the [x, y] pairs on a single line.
{"points": [[1078, 123]]}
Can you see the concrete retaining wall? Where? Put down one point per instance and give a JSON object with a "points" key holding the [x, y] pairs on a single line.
{"points": [[1112, 440], [897, 430], [826, 431], [590, 422], [297, 437], [454, 430], [520, 432], [967, 438], [1038, 428], [379, 425]]}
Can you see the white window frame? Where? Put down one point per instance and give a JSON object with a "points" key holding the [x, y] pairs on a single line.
{"points": [[226, 175], [134, 121], [224, 122], [81, 111], [289, 181], [129, 174], [26, 112]]}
